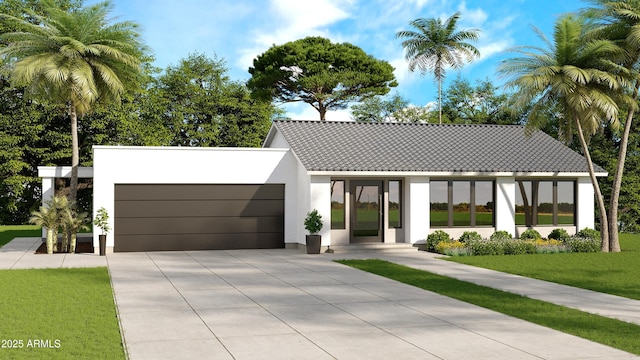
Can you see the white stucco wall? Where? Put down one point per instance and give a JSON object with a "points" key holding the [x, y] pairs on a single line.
{"points": [[174, 165], [418, 204], [320, 199], [505, 206], [586, 213]]}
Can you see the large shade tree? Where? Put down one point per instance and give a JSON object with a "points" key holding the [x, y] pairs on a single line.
{"points": [[326, 75], [435, 45], [72, 59], [620, 20], [576, 76]]}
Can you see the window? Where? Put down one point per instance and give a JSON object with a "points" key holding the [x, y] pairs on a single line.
{"points": [[484, 203], [395, 206], [461, 203], [439, 203], [337, 204], [545, 202]]}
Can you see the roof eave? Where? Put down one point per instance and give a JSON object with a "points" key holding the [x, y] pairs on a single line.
{"points": [[350, 173]]}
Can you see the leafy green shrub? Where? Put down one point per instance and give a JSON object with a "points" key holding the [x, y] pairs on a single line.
{"points": [[579, 244], [588, 233], [434, 238], [559, 234], [485, 247], [455, 248], [501, 235], [530, 235], [469, 236], [518, 247], [551, 246]]}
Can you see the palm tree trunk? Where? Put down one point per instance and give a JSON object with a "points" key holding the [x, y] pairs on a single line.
{"points": [[604, 225], [614, 241], [50, 240], [75, 155], [439, 101]]}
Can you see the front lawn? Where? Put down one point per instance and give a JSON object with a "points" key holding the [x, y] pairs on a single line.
{"points": [[58, 314], [611, 332], [611, 273], [8, 232]]}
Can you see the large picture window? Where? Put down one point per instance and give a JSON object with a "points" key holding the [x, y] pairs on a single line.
{"points": [[337, 204], [545, 202], [394, 205], [462, 203]]}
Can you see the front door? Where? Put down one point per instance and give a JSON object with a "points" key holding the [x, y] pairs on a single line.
{"points": [[366, 211]]}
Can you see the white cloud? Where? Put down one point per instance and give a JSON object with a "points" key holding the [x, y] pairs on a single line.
{"points": [[292, 20]]}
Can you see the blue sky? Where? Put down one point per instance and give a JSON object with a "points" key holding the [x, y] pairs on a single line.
{"points": [[239, 30]]}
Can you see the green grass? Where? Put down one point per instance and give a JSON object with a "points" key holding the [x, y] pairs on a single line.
{"points": [[8, 232], [611, 273], [71, 308], [611, 332]]}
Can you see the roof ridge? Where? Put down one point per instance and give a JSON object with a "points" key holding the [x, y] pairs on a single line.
{"points": [[394, 123]]}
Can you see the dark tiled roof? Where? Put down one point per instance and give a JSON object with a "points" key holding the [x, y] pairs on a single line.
{"points": [[352, 146]]}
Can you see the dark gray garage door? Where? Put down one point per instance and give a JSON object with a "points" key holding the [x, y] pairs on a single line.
{"points": [[198, 217]]}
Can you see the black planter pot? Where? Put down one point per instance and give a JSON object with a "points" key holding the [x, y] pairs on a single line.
{"points": [[102, 240], [313, 244]]}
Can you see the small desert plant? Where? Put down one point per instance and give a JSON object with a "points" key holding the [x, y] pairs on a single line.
{"points": [[469, 236], [559, 234], [436, 237], [530, 235], [313, 222], [455, 248], [501, 235]]}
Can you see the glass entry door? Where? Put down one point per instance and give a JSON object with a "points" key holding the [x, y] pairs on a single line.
{"points": [[366, 211]]}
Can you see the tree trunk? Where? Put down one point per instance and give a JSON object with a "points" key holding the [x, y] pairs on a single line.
{"points": [[72, 243], [439, 101], [75, 156], [50, 240], [604, 225], [614, 241]]}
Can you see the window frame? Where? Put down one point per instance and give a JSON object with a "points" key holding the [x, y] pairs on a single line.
{"points": [[472, 203], [535, 190]]}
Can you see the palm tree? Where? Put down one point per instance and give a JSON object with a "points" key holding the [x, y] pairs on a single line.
{"points": [[50, 217], [621, 20], [574, 75], [73, 59], [436, 45]]}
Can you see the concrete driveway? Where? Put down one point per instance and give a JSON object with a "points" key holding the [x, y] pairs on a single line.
{"points": [[282, 304]]}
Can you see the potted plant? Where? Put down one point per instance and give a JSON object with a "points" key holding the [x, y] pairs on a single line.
{"points": [[102, 221], [313, 224]]}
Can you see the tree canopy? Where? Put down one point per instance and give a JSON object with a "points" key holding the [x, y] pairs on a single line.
{"points": [[434, 45], [313, 70]]}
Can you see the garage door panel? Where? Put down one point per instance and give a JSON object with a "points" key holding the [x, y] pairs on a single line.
{"points": [[154, 217], [199, 192], [185, 242], [184, 208], [199, 225]]}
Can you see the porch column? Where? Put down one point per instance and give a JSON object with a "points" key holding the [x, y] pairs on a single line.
{"points": [[47, 195], [585, 204], [505, 206], [320, 199], [418, 205]]}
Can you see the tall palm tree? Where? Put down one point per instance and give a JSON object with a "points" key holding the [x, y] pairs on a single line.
{"points": [[576, 76], [621, 23], [72, 58], [435, 45]]}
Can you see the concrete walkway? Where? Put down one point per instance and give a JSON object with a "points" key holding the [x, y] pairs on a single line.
{"points": [[279, 304]]}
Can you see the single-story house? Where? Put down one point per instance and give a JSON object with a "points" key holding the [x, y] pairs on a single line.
{"points": [[370, 182]]}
